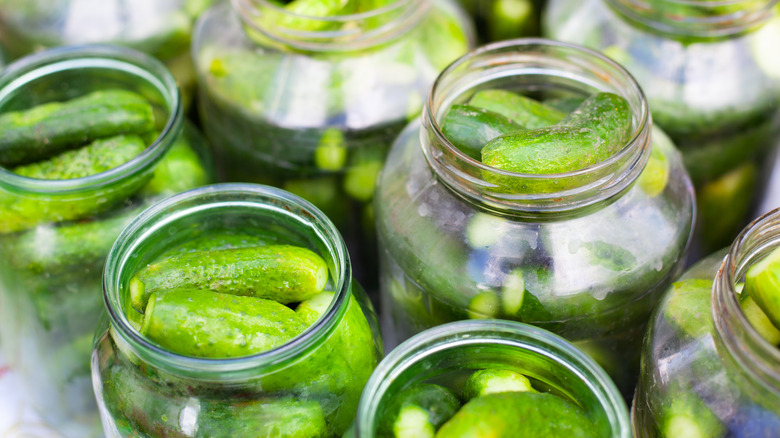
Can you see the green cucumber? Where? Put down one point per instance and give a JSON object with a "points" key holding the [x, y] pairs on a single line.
{"points": [[484, 305], [418, 411], [759, 320], [331, 152], [470, 128], [494, 381], [283, 273], [688, 306], [522, 414], [608, 116], [199, 323], [277, 418], [762, 283], [519, 109], [687, 416], [565, 104], [99, 156], [510, 19], [45, 130], [180, 170], [724, 204]]}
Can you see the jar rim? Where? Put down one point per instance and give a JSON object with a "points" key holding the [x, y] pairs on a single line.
{"points": [[453, 335], [605, 179], [265, 198], [103, 56]]}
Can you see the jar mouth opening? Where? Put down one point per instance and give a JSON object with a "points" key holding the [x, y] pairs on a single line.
{"points": [[161, 217], [431, 347], [131, 64], [564, 65]]}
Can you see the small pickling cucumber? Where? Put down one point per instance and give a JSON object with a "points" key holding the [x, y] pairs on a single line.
{"points": [[565, 104], [283, 273], [687, 416], [331, 152], [688, 306], [470, 128], [522, 110], [200, 323], [180, 170], [44, 130], [762, 283], [418, 411], [606, 114], [97, 157], [521, 414], [759, 320], [494, 381], [277, 418]]}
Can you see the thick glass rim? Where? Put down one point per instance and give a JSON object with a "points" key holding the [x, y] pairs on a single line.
{"points": [[116, 58]]}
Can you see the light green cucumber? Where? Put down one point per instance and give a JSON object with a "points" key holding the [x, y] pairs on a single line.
{"points": [[494, 381], [44, 130], [418, 411], [688, 306], [270, 418], [759, 320], [180, 170], [200, 323], [470, 128], [519, 109], [762, 283], [282, 273], [608, 116]]}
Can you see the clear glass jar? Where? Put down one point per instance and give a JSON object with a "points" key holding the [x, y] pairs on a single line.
{"points": [[161, 28], [55, 235], [705, 370], [457, 238], [498, 20], [315, 112], [447, 354], [145, 390], [712, 77]]}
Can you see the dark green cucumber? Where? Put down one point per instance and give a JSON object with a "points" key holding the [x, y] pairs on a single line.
{"points": [[470, 128], [418, 411], [45, 130], [279, 418], [521, 414], [201, 323], [606, 114], [282, 273], [493, 381], [762, 283], [520, 109], [180, 170], [97, 157]]}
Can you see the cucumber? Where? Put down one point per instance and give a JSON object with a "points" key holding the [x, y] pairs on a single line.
{"points": [[283, 273], [655, 176], [521, 414], [687, 416], [418, 411], [565, 104], [688, 306], [760, 321], [180, 170], [762, 283], [270, 418], [608, 116], [519, 109], [199, 323], [45, 130], [470, 128], [331, 153], [494, 381], [97, 157]]}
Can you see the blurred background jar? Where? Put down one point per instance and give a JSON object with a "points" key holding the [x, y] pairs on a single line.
{"points": [[498, 20], [309, 386], [707, 370], [712, 77], [161, 28], [55, 234], [586, 256], [447, 355], [312, 104]]}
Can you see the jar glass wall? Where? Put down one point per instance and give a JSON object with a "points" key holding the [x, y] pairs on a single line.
{"points": [[448, 354], [55, 234], [312, 104], [459, 239], [713, 84], [308, 386], [498, 20], [706, 371]]}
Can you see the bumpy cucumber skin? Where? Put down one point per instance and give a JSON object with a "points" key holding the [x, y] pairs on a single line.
{"points": [[283, 273], [606, 114], [271, 418], [470, 128], [180, 170], [45, 130], [200, 323], [524, 111], [438, 402], [493, 381], [518, 414]]}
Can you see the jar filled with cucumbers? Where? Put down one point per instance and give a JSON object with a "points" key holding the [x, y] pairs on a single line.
{"points": [[91, 136], [161, 28], [711, 359], [534, 188], [712, 76], [490, 378], [232, 313], [309, 95]]}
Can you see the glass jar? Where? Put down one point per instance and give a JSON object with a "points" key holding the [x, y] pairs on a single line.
{"points": [[705, 370], [315, 112], [498, 20], [55, 235], [446, 355], [712, 77], [145, 390], [458, 240], [161, 28]]}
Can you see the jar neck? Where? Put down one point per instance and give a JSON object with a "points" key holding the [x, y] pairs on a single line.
{"points": [[105, 65], [696, 19], [472, 345], [339, 33], [535, 65], [757, 358], [190, 215]]}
